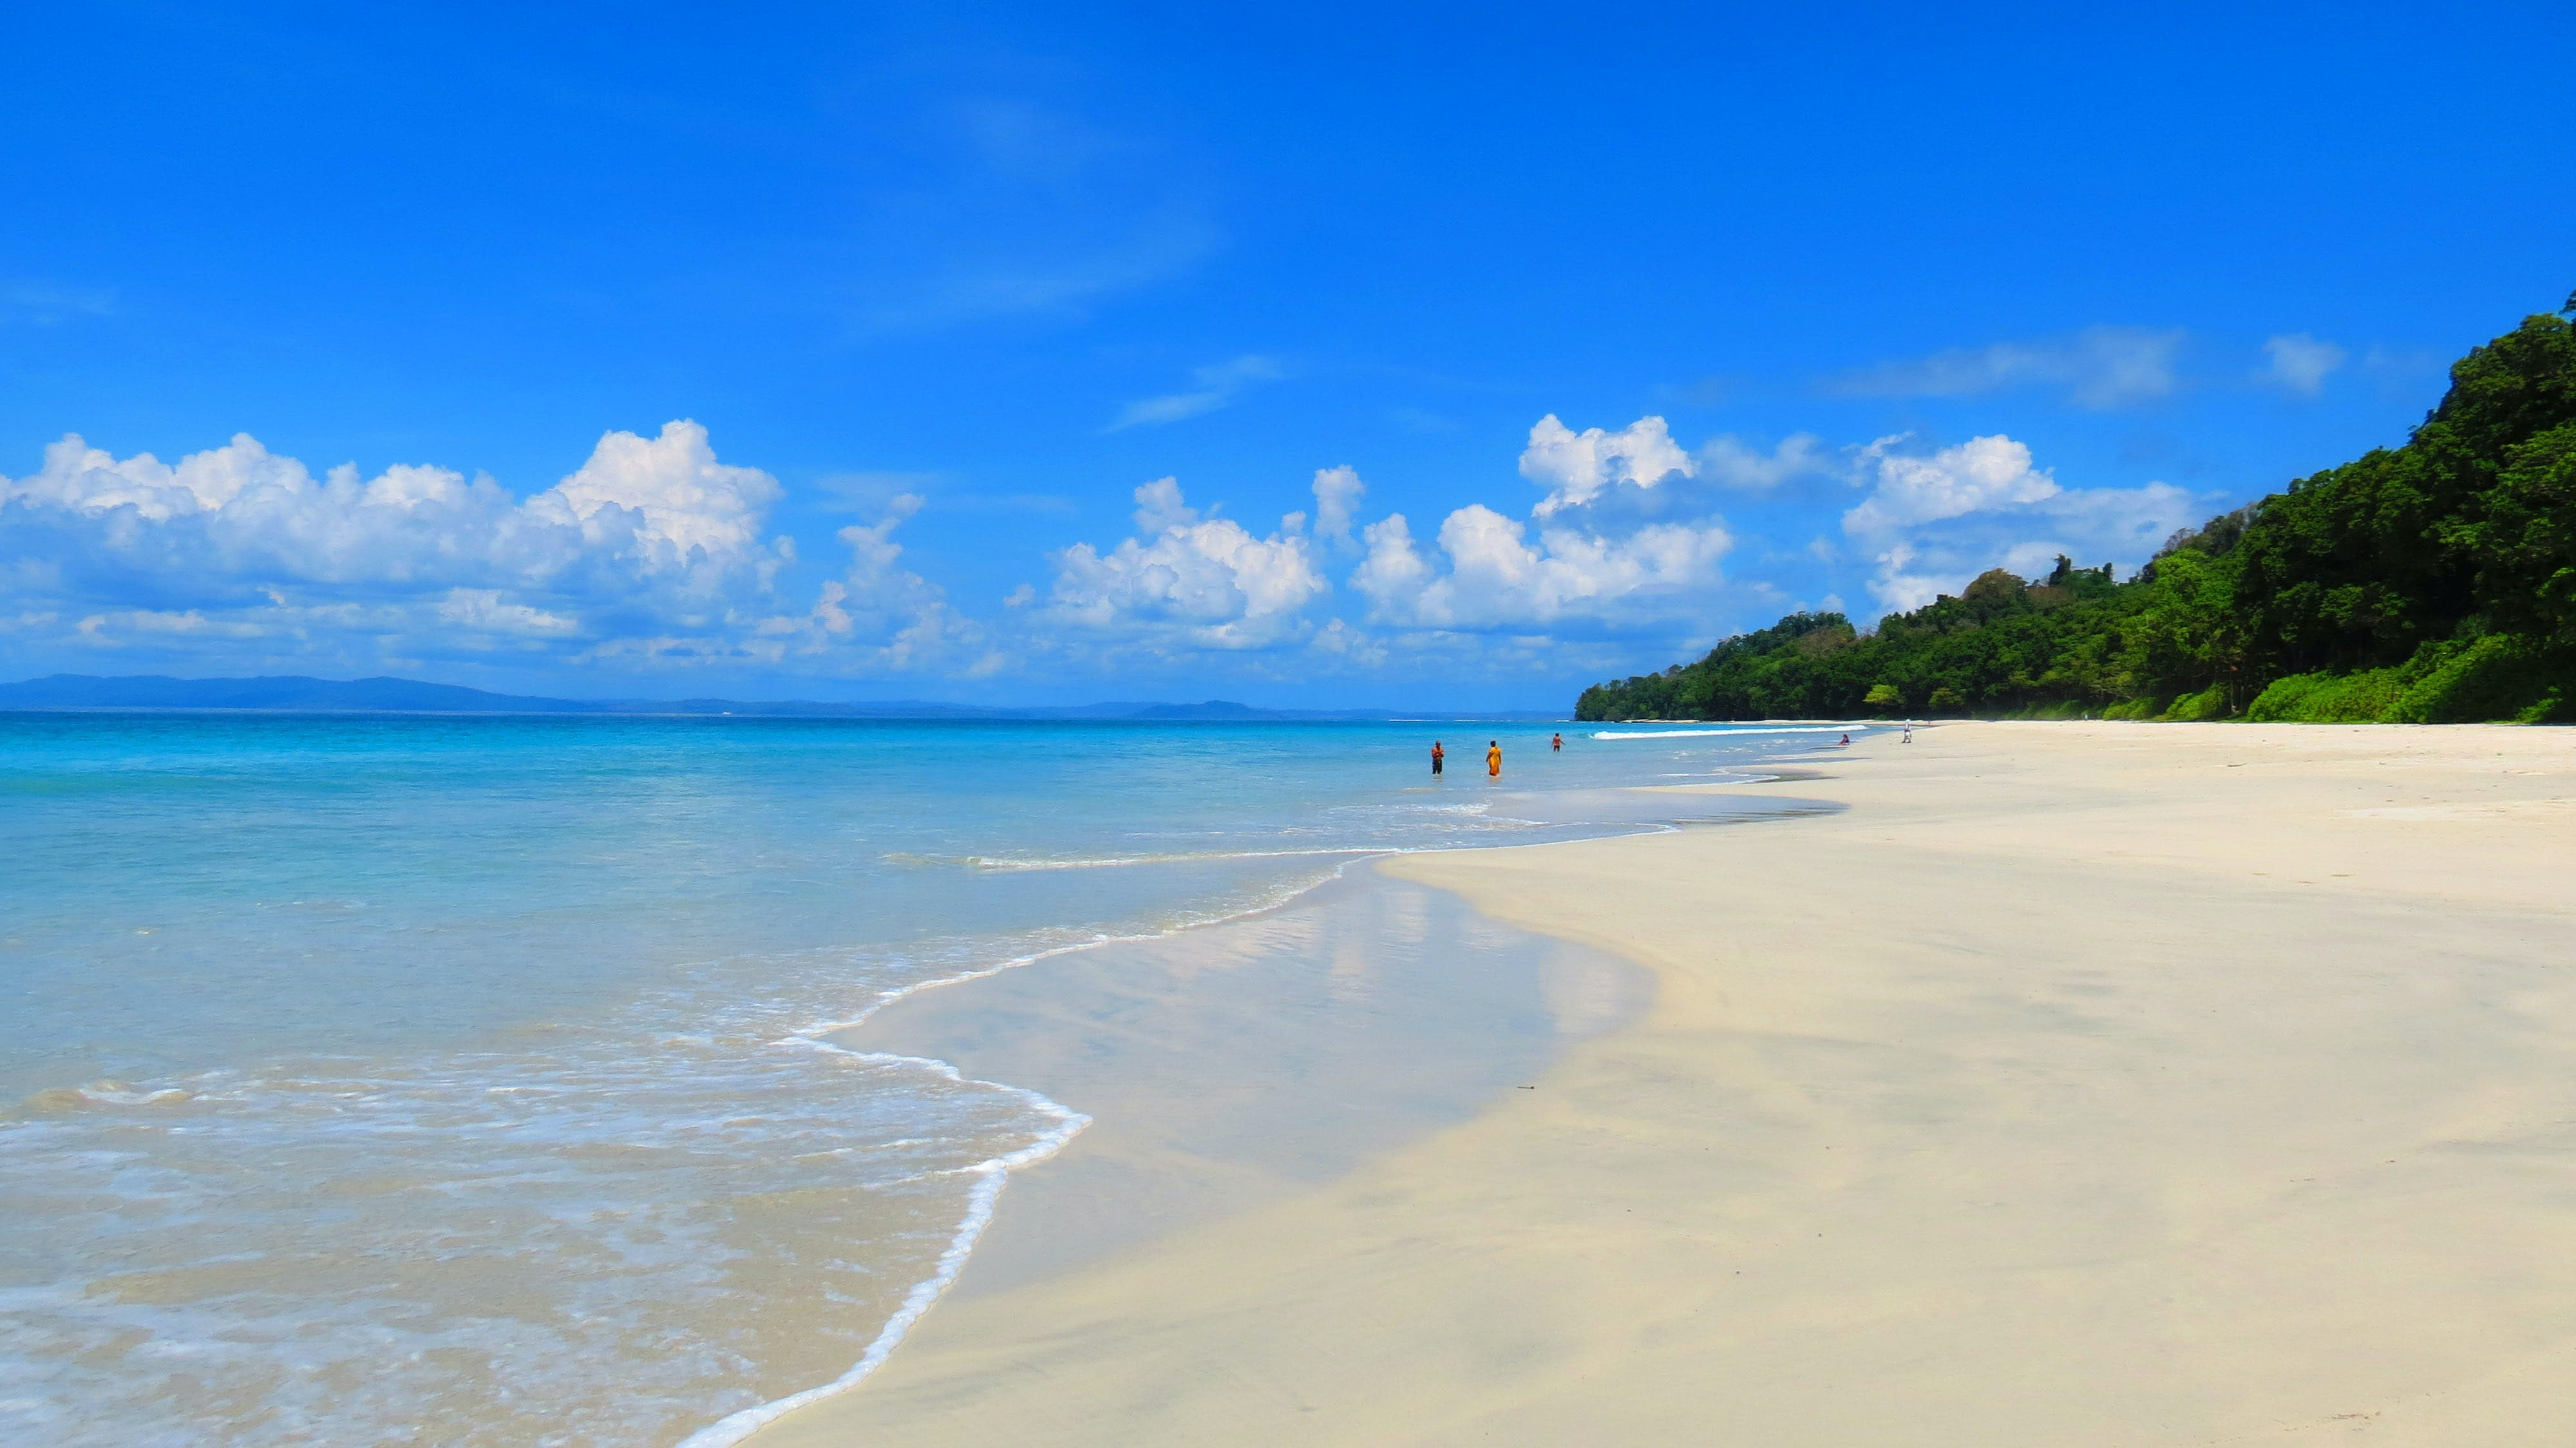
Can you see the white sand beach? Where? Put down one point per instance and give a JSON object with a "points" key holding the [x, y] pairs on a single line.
{"points": [[2079, 1084]]}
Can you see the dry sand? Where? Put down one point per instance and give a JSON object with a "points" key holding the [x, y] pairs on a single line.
{"points": [[2080, 1085]]}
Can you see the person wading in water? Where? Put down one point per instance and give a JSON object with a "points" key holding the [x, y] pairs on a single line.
{"points": [[1436, 756], [1494, 758], [1555, 742]]}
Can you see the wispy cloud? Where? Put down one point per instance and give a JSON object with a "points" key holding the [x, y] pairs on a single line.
{"points": [[43, 304], [1730, 461], [1215, 387], [1060, 283], [868, 490], [2300, 363], [2099, 367], [1024, 208]]}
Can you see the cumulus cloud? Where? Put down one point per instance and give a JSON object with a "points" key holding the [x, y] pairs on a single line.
{"points": [[1496, 577], [1976, 475], [2099, 367], [2300, 363], [241, 515], [1899, 588], [1216, 387], [689, 504], [653, 546], [1337, 500], [879, 616], [1933, 521], [1189, 579], [1576, 467]]}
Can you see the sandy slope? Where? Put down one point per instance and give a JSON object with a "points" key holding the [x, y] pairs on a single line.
{"points": [[2081, 1085]]}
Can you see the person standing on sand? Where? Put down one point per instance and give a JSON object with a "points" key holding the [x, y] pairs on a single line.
{"points": [[1493, 759], [1436, 756], [1909, 733]]}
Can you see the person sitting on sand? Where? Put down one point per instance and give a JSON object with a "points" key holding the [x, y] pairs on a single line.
{"points": [[1436, 756], [1494, 758], [1846, 740]]}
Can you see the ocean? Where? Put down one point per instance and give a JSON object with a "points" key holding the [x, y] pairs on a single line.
{"points": [[404, 1079]]}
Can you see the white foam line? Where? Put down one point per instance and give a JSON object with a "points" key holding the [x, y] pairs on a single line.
{"points": [[993, 1174], [1740, 729], [807, 1036], [1007, 864]]}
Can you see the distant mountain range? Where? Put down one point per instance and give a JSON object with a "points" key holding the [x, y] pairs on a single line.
{"points": [[296, 694]]}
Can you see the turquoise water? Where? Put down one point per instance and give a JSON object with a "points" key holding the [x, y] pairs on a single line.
{"points": [[453, 1080]]}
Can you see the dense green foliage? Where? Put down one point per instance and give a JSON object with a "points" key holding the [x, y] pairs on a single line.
{"points": [[2425, 583]]}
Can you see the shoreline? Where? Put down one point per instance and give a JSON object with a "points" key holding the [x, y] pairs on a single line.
{"points": [[838, 1036], [1913, 1040]]}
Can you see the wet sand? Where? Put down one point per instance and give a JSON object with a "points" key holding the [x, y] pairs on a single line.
{"points": [[1241, 1063], [2097, 1084]]}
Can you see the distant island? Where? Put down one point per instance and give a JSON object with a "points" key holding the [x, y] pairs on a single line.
{"points": [[2429, 583], [297, 694]]}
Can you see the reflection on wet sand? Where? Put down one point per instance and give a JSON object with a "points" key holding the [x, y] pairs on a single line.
{"points": [[1222, 1067]]}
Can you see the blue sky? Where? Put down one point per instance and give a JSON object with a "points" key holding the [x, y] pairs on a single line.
{"points": [[986, 352]]}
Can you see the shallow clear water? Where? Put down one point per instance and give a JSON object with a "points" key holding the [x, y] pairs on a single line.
{"points": [[454, 1080]]}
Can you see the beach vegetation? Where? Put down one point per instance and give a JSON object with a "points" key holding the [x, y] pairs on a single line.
{"points": [[2428, 583]]}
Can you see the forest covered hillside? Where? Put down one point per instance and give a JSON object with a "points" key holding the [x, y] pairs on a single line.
{"points": [[2433, 582]]}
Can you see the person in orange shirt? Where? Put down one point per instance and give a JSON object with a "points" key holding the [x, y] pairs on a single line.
{"points": [[1437, 754], [1556, 742], [1494, 758]]}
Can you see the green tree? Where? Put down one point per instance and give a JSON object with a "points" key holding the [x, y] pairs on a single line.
{"points": [[2434, 581], [2526, 543]]}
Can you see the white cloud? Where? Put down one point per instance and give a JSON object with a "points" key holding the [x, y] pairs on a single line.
{"points": [[1216, 388], [1189, 580], [652, 547], [2300, 363], [657, 506], [1576, 467], [690, 504], [2127, 523], [893, 617], [1337, 639], [1935, 521], [485, 610], [1899, 590], [2100, 367], [1729, 461], [1497, 578], [1337, 500], [1160, 508], [1977, 475]]}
